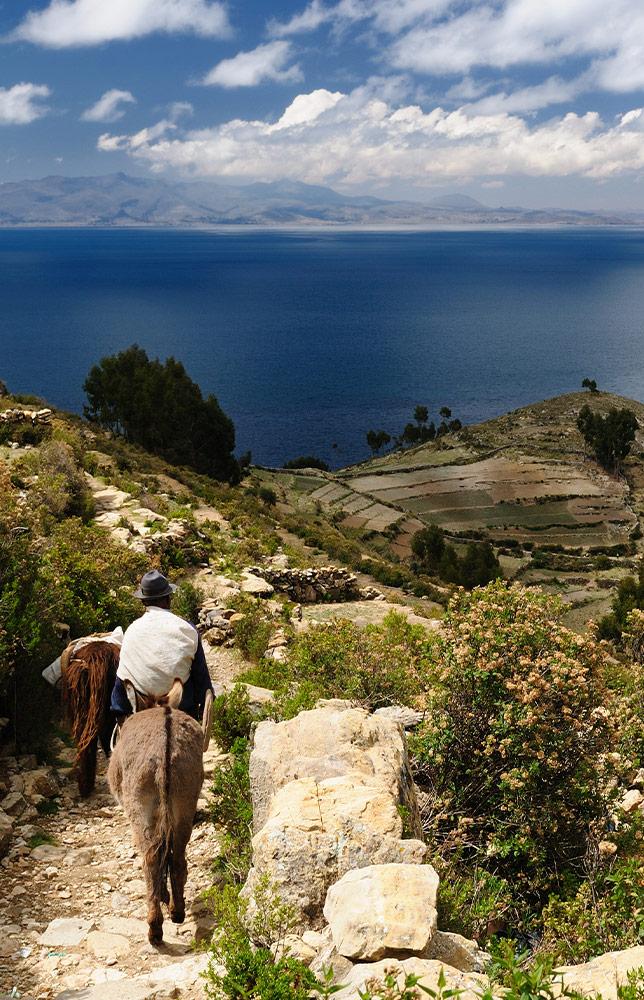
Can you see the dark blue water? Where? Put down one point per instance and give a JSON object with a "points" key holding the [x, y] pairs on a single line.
{"points": [[310, 339]]}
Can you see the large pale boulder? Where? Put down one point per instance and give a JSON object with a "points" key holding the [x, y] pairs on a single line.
{"points": [[362, 976], [327, 788], [331, 740], [382, 908], [604, 974]]}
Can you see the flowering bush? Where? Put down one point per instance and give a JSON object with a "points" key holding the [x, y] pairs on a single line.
{"points": [[511, 756]]}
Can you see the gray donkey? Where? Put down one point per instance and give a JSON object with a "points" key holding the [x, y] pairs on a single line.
{"points": [[156, 773]]}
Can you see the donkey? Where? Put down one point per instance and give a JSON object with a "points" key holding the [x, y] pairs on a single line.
{"points": [[156, 774], [87, 678]]}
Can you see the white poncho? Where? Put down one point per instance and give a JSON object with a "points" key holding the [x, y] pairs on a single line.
{"points": [[157, 648]]}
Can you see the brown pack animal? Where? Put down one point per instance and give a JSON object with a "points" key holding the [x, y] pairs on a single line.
{"points": [[156, 774], [87, 678]]}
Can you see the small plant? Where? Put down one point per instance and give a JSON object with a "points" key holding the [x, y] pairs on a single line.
{"points": [[187, 601], [633, 988], [521, 980], [232, 810], [411, 988], [231, 717], [40, 838]]}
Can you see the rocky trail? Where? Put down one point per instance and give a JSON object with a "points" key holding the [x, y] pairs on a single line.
{"points": [[73, 912]]}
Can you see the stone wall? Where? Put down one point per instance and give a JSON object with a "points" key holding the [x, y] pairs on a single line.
{"points": [[318, 583]]}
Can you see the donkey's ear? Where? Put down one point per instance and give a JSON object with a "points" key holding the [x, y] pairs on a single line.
{"points": [[175, 694]]}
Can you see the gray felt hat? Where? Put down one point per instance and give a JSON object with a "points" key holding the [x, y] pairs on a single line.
{"points": [[153, 585]]}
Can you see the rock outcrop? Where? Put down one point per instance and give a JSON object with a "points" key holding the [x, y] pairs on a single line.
{"points": [[327, 788]]}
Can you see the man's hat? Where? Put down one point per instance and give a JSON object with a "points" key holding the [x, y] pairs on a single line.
{"points": [[153, 585]]}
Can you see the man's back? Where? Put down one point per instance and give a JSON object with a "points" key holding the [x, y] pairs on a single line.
{"points": [[157, 648]]}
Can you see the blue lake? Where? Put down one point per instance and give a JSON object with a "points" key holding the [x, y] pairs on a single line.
{"points": [[309, 339]]}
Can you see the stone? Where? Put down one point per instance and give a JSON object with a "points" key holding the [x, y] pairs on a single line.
{"points": [[457, 951], [294, 947], [255, 585], [607, 849], [326, 789], [604, 974], [335, 738], [403, 716], [103, 944], [631, 800], [14, 804], [43, 782], [638, 780], [6, 832], [382, 908], [49, 852], [66, 932], [470, 985]]}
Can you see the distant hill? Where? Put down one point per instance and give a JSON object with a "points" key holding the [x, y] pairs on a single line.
{"points": [[122, 200]]}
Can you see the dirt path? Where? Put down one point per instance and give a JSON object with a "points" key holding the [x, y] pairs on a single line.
{"points": [[91, 877]]}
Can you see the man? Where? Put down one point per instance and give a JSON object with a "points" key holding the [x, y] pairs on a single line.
{"points": [[158, 648]]}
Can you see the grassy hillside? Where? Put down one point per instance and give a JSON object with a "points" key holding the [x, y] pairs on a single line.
{"points": [[525, 481]]}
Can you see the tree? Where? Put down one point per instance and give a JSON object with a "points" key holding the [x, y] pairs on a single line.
{"points": [[610, 436], [421, 414], [476, 568], [377, 440], [160, 408], [306, 462], [428, 545], [590, 383], [445, 412]]}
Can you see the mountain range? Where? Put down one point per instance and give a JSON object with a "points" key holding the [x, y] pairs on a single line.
{"points": [[122, 200]]}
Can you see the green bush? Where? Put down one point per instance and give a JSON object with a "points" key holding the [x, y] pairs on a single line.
{"points": [[75, 575], [231, 810], [253, 631], [377, 665], [187, 601], [231, 717], [605, 914], [513, 753]]}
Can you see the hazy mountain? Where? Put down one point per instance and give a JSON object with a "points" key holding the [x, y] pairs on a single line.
{"points": [[121, 200]]}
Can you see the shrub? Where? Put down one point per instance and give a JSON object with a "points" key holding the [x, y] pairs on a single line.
{"points": [[60, 486], [512, 754], [522, 979], [238, 969], [605, 914], [187, 601], [377, 665], [254, 630], [232, 810], [231, 717], [478, 566]]}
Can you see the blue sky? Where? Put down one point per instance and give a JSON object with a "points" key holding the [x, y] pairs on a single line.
{"points": [[533, 102]]}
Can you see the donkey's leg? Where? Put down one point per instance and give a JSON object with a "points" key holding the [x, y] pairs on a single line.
{"points": [[153, 867], [179, 872], [86, 764]]}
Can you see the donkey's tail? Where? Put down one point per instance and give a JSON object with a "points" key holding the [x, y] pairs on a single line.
{"points": [[159, 854]]}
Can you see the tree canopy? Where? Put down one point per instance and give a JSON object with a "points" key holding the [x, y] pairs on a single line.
{"points": [[610, 437], [476, 567], [157, 406]]}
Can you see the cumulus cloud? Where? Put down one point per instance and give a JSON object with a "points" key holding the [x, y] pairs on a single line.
{"points": [[21, 104], [361, 139], [66, 23], [109, 107], [248, 69], [459, 37]]}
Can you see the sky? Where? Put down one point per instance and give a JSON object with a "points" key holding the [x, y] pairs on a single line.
{"points": [[515, 102]]}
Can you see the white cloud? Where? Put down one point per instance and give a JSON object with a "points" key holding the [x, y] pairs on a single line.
{"points": [[20, 104], [247, 69], [360, 139], [109, 107], [67, 23], [437, 37], [554, 90]]}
